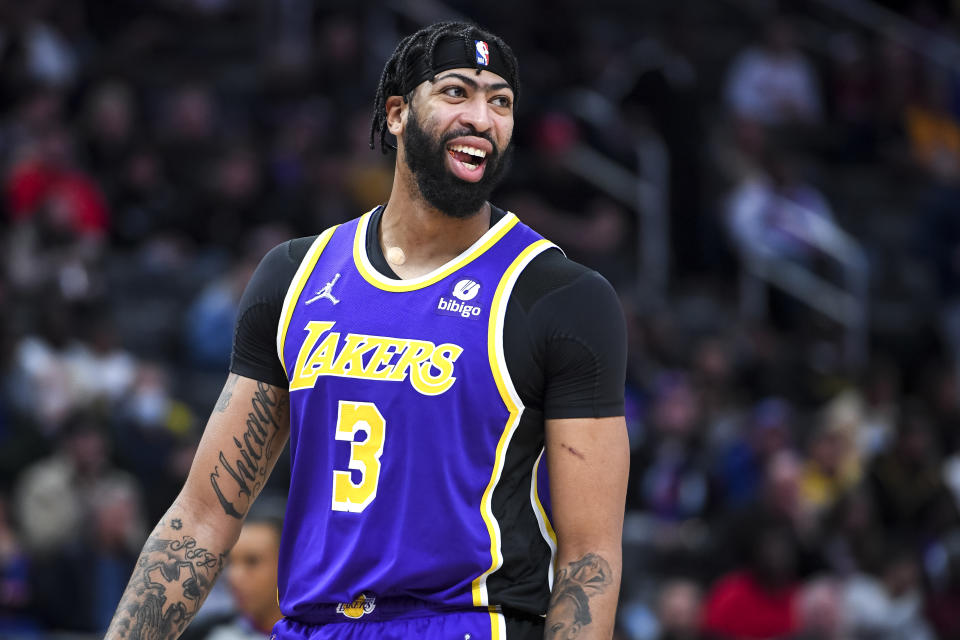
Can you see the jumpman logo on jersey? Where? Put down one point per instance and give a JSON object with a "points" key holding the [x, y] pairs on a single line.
{"points": [[325, 292]]}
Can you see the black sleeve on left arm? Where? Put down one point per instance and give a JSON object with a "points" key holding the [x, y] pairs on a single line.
{"points": [[584, 348]]}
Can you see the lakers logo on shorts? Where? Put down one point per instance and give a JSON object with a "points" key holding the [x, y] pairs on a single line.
{"points": [[361, 606]]}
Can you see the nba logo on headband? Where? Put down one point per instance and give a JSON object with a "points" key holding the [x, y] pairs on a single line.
{"points": [[483, 53]]}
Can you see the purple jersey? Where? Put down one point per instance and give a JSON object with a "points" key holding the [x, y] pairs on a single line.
{"points": [[401, 414]]}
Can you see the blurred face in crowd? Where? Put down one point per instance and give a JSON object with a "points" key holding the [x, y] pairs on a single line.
{"points": [[678, 609], [252, 573], [783, 481], [828, 450], [774, 557], [820, 610], [456, 140]]}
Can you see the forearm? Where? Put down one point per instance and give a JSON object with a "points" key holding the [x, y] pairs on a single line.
{"points": [[585, 591], [175, 571]]}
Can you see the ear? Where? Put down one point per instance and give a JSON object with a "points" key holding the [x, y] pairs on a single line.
{"points": [[396, 108]]}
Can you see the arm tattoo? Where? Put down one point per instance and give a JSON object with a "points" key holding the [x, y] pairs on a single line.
{"points": [[169, 583], [242, 471], [224, 400], [573, 588]]}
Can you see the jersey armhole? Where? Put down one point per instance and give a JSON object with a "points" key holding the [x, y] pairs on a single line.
{"points": [[296, 288]]}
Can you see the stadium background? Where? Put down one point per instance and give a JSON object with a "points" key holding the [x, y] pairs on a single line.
{"points": [[694, 152]]}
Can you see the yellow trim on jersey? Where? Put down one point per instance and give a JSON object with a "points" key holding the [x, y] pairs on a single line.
{"points": [[509, 396], [371, 275], [297, 284], [544, 520], [498, 625]]}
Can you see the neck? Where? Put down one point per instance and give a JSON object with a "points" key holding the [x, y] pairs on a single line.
{"points": [[428, 237]]}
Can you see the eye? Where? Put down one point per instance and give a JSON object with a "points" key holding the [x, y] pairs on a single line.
{"points": [[502, 101], [455, 91]]}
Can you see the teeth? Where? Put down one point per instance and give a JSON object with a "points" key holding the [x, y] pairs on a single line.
{"points": [[471, 150]]}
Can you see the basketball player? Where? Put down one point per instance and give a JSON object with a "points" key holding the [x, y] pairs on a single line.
{"points": [[437, 366]]}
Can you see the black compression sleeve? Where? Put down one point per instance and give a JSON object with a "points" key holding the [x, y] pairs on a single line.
{"points": [[254, 352], [569, 319]]}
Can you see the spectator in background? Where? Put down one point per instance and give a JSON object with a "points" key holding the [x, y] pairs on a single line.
{"points": [[145, 200], [72, 363], [887, 603], [54, 496], [832, 467], [208, 328], [15, 576], [46, 56], [907, 481], [780, 501], [151, 427], [743, 463], [79, 584], [760, 599], [775, 212], [231, 198], [679, 608], [251, 574], [41, 388], [820, 614], [669, 477], [774, 83], [932, 127], [108, 134], [943, 601], [208, 323], [189, 148], [47, 254], [45, 169], [851, 528]]}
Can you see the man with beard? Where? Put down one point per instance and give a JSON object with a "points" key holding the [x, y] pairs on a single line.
{"points": [[429, 361]]}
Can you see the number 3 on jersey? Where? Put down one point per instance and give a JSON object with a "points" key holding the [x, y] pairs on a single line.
{"points": [[364, 456]]}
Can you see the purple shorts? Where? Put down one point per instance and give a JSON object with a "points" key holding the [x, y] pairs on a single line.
{"points": [[451, 625]]}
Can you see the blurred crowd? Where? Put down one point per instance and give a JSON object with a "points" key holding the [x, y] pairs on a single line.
{"points": [[152, 152]]}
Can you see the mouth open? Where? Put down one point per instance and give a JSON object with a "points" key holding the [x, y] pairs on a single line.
{"points": [[467, 162]]}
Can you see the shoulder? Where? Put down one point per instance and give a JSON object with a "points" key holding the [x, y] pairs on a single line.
{"points": [[277, 268], [290, 253], [551, 279]]}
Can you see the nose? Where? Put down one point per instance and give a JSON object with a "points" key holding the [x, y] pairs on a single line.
{"points": [[476, 113]]}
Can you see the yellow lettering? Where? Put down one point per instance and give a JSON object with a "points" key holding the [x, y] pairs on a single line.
{"points": [[350, 361], [430, 367], [386, 349], [415, 352], [364, 455], [442, 359], [321, 360], [303, 377]]}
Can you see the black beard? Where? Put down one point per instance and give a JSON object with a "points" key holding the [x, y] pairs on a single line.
{"points": [[426, 158]]}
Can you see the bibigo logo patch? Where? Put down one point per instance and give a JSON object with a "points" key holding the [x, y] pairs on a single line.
{"points": [[462, 292], [466, 290]]}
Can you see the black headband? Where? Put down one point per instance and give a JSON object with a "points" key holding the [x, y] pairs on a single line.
{"points": [[457, 52]]}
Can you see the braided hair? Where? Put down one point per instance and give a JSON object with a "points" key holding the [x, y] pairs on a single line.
{"points": [[423, 44]]}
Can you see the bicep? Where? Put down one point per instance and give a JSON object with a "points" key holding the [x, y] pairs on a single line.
{"points": [[242, 441], [588, 460]]}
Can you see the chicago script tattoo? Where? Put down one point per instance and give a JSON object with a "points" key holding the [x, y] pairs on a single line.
{"points": [[241, 472], [573, 588]]}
